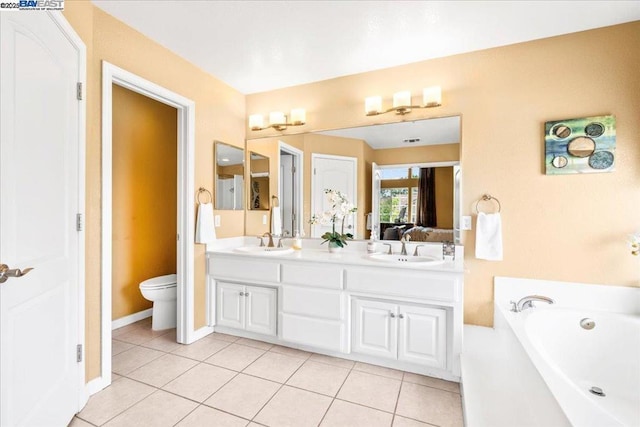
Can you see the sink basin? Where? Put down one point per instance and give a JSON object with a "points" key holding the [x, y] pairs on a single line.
{"points": [[406, 259], [263, 250]]}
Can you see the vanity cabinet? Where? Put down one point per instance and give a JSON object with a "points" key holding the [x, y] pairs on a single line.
{"points": [[398, 331], [252, 308]]}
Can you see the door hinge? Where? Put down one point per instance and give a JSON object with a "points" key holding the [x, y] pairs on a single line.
{"points": [[79, 222], [293, 169], [79, 353], [79, 91], [314, 171]]}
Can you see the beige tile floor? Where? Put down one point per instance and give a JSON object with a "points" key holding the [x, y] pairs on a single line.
{"points": [[227, 381]]}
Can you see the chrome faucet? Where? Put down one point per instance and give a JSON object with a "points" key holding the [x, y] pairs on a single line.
{"points": [[270, 236], [261, 241], [415, 251], [404, 241], [388, 244], [527, 302], [285, 235]]}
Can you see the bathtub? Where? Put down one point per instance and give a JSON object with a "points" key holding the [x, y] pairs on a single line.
{"points": [[572, 360]]}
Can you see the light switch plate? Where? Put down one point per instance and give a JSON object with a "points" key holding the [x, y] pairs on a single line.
{"points": [[264, 220], [466, 223], [216, 220]]}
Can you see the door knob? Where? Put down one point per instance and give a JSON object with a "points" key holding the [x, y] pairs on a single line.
{"points": [[6, 272]]}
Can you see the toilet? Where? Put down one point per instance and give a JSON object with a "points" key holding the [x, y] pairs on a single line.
{"points": [[161, 291]]}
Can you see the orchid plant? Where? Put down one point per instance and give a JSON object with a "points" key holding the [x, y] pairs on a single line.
{"points": [[340, 210]]}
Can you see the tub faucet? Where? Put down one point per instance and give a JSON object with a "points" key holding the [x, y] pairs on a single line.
{"points": [[527, 302], [270, 236], [404, 241]]}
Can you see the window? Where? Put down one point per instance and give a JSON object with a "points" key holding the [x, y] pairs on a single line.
{"points": [[398, 195]]}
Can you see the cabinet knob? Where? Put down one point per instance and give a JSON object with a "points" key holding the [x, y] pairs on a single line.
{"points": [[246, 294], [401, 316], [392, 315], [241, 294]]}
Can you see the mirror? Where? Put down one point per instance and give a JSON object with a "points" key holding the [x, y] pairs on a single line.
{"points": [[259, 182], [228, 176], [395, 153]]}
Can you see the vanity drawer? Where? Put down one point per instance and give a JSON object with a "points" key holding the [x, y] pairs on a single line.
{"points": [[404, 283], [316, 275], [327, 334], [244, 269], [304, 301]]}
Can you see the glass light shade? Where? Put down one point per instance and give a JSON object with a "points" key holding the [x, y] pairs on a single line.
{"points": [[277, 118], [402, 99], [432, 96], [298, 116], [256, 121], [373, 105]]}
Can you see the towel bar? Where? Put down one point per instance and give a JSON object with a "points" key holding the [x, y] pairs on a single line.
{"points": [[204, 190], [487, 198]]}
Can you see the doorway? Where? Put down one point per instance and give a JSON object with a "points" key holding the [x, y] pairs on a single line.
{"points": [[290, 188], [144, 199], [111, 75]]}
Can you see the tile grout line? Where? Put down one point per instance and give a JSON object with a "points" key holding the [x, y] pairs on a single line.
{"points": [[337, 392]]}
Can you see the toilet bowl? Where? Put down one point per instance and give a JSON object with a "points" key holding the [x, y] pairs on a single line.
{"points": [[161, 291]]}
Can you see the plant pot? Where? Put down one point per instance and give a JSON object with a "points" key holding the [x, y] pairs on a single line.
{"points": [[334, 248]]}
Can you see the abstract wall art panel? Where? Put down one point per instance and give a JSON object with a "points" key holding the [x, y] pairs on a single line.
{"points": [[585, 145]]}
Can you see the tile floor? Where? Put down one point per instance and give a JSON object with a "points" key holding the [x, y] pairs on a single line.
{"points": [[228, 381]]}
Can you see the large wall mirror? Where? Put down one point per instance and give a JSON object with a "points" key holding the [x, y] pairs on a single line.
{"points": [[229, 176], [403, 177]]}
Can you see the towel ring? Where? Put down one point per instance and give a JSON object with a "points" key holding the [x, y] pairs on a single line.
{"points": [[488, 198], [275, 202], [204, 190]]}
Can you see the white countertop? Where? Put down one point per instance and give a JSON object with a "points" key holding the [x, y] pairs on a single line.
{"points": [[353, 254]]}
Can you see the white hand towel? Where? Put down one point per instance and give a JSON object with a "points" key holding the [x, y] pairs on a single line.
{"points": [[205, 230], [276, 221], [489, 237]]}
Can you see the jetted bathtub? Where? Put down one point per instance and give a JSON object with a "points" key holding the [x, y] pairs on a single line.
{"points": [[589, 359]]}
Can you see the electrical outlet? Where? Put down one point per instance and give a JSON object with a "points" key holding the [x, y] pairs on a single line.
{"points": [[216, 220], [466, 223], [264, 220]]}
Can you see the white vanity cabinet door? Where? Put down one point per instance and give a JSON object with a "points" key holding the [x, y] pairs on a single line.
{"points": [[230, 304], [375, 328], [261, 310], [422, 335]]}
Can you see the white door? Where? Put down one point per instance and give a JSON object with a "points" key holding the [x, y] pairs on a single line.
{"points": [[333, 173], [40, 196], [261, 310], [375, 328], [230, 305], [376, 186], [423, 335]]}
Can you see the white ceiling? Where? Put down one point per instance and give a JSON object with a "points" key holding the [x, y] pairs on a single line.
{"points": [[257, 46], [445, 130]]}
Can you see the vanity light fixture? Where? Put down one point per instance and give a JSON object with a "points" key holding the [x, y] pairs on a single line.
{"points": [[431, 97], [278, 120]]}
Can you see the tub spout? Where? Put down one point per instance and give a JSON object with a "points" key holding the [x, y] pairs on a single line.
{"points": [[527, 302]]}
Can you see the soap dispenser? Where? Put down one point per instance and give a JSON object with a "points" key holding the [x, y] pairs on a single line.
{"points": [[372, 246]]}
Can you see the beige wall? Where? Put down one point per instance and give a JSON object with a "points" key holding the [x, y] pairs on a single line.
{"points": [[569, 228], [144, 196], [220, 115]]}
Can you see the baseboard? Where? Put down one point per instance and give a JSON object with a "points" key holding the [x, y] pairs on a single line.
{"points": [[97, 384], [200, 333], [132, 318]]}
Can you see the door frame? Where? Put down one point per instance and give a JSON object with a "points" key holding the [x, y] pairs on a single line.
{"points": [[314, 157], [298, 163], [112, 74]]}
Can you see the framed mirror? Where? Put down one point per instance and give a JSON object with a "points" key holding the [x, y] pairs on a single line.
{"points": [[258, 182], [228, 176], [396, 153]]}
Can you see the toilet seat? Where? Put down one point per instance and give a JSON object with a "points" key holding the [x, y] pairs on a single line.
{"points": [[160, 282]]}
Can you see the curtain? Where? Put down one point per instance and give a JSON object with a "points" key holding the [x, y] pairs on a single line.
{"points": [[426, 215]]}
